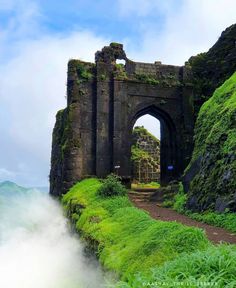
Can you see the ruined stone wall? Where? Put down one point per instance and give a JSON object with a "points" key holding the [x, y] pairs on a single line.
{"points": [[94, 133], [146, 156]]}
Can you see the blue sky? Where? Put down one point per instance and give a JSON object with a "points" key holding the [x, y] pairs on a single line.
{"points": [[37, 38]]}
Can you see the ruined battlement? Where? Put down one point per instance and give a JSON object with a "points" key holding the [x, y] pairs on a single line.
{"points": [[93, 134]]}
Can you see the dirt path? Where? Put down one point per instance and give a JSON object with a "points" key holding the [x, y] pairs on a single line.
{"points": [[214, 234]]}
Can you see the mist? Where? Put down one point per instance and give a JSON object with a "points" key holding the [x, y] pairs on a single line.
{"points": [[37, 249]]}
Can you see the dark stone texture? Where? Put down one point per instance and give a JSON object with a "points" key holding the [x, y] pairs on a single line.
{"points": [[210, 177], [94, 133], [211, 69], [190, 174]]}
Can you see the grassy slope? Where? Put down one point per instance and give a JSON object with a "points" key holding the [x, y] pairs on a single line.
{"points": [[128, 241], [225, 220], [215, 145]]}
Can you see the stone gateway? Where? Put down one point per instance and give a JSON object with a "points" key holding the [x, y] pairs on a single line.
{"points": [[93, 134]]}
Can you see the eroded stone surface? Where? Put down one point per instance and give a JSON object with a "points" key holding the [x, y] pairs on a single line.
{"points": [[94, 133]]}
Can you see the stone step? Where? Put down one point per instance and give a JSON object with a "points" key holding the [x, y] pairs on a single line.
{"points": [[141, 196], [135, 193]]}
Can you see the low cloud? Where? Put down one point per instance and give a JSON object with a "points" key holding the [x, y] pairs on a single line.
{"points": [[32, 89], [37, 247]]}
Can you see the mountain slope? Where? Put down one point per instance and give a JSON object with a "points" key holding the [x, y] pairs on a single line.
{"points": [[210, 179], [212, 68]]}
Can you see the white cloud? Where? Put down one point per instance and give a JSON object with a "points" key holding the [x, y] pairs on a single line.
{"points": [[32, 89], [192, 27], [4, 173], [33, 85], [37, 246]]}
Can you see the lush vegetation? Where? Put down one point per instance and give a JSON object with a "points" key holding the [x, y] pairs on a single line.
{"points": [[119, 72], [225, 220], [140, 131], [152, 184], [145, 78], [141, 250], [215, 145], [214, 267], [111, 187], [138, 154], [212, 68]]}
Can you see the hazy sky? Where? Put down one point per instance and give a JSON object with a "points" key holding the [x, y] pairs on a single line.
{"points": [[38, 37]]}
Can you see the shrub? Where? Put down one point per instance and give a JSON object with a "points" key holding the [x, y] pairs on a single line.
{"points": [[180, 200], [126, 239], [83, 72], [112, 187]]}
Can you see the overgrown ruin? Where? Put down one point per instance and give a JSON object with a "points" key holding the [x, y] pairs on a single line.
{"points": [[93, 134], [145, 157]]}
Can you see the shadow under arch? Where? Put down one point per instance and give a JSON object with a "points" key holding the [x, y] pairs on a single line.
{"points": [[169, 153]]}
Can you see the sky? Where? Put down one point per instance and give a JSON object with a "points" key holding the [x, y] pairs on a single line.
{"points": [[38, 37]]}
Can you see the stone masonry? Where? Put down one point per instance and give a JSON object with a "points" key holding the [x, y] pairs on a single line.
{"points": [[93, 134], [146, 164]]}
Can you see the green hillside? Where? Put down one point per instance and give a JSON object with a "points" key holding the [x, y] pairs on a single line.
{"points": [[212, 171]]}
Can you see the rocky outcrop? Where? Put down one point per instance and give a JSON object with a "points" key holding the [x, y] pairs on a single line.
{"points": [[212, 68], [210, 179]]}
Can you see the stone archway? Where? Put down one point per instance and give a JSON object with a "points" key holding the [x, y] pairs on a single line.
{"points": [[169, 160], [93, 134]]}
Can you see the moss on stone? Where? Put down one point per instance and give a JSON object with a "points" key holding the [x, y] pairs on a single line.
{"points": [[145, 78], [212, 68], [138, 154], [141, 131], [84, 70], [145, 157], [214, 185], [119, 72]]}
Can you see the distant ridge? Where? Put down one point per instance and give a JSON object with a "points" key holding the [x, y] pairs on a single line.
{"points": [[8, 188]]}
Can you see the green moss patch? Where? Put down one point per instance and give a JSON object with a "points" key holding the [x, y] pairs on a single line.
{"points": [[214, 186], [214, 267], [225, 220], [144, 252], [127, 240]]}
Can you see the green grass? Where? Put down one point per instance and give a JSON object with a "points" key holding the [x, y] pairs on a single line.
{"points": [[142, 251], [214, 267], [145, 185], [225, 220], [127, 239]]}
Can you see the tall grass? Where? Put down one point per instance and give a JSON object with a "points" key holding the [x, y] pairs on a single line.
{"points": [[225, 220], [214, 267], [139, 249]]}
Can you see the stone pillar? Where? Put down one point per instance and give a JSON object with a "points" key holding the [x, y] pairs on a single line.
{"points": [[104, 127]]}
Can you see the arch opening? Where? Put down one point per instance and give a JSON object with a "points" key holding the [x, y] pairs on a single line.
{"points": [[161, 125], [121, 61]]}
